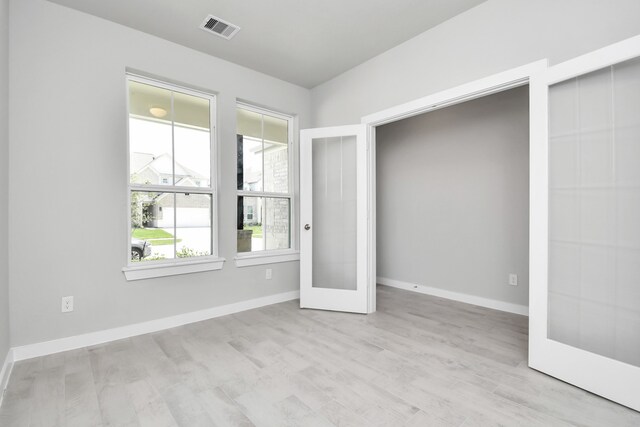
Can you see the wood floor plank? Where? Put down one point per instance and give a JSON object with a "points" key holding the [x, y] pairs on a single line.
{"points": [[81, 401], [48, 407], [150, 407], [423, 419], [110, 381], [222, 410], [19, 398], [185, 407], [418, 361]]}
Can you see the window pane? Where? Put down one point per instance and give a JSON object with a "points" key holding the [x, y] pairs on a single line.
{"points": [[263, 156], [265, 223], [276, 155], [150, 136], [277, 224], [249, 134], [250, 235], [152, 231], [249, 164], [193, 225], [192, 140]]}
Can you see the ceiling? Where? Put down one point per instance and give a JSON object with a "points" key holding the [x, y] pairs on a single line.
{"points": [[305, 42]]}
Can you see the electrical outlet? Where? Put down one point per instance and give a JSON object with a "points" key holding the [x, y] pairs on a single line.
{"points": [[513, 279], [269, 274], [67, 304]]}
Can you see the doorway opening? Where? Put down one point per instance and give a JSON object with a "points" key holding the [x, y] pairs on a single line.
{"points": [[453, 202]]}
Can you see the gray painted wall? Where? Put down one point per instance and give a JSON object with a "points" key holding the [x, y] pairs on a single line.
{"points": [[68, 177], [494, 36], [67, 122], [4, 175], [453, 197]]}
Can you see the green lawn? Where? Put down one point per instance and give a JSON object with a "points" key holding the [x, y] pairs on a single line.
{"points": [[257, 230], [156, 236]]}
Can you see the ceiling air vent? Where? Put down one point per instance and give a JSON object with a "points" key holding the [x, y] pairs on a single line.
{"points": [[217, 26]]}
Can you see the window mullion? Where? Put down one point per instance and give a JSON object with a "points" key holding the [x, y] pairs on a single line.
{"points": [[264, 199], [175, 225], [173, 140], [264, 194], [171, 189], [173, 173]]}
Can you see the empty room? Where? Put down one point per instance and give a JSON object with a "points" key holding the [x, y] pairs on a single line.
{"points": [[337, 213]]}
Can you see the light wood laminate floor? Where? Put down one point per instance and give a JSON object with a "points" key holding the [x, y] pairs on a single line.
{"points": [[418, 361]]}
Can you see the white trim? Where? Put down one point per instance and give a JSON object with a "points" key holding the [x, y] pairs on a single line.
{"points": [[151, 269], [538, 213], [93, 338], [593, 61], [371, 219], [499, 82], [456, 296], [5, 373], [254, 258]]}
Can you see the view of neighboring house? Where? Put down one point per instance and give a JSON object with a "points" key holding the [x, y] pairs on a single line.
{"points": [[265, 168], [158, 170], [191, 210]]}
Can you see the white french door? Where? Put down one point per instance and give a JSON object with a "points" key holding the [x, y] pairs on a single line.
{"points": [[585, 222], [333, 219]]}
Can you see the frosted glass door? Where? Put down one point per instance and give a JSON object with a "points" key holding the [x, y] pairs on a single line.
{"points": [[594, 212], [334, 212], [333, 217], [585, 222]]}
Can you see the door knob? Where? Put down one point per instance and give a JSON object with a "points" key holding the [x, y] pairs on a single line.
{"points": [[307, 227]]}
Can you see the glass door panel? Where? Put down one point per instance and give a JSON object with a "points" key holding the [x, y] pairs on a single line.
{"points": [[594, 212], [334, 212]]}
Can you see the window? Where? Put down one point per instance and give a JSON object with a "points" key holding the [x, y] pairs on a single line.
{"points": [[264, 181], [171, 169]]}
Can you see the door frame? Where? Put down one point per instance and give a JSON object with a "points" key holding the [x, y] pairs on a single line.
{"points": [[519, 76], [589, 371], [601, 375]]}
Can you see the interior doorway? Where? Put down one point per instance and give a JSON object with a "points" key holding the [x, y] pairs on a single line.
{"points": [[453, 202]]}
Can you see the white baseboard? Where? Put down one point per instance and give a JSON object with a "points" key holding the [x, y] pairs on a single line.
{"points": [[78, 341], [456, 296], [5, 373]]}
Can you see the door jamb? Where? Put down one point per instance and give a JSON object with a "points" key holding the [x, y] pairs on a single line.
{"points": [[495, 83]]}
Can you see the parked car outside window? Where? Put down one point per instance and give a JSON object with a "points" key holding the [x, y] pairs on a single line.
{"points": [[140, 249]]}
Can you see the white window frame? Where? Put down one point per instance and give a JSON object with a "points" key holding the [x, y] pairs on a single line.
{"points": [[175, 266], [246, 259]]}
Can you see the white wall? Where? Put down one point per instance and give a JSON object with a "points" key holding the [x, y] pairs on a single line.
{"points": [[68, 150], [4, 175], [495, 36], [453, 198]]}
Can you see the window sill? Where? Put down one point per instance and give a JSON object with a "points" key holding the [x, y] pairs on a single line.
{"points": [[250, 259], [148, 271]]}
